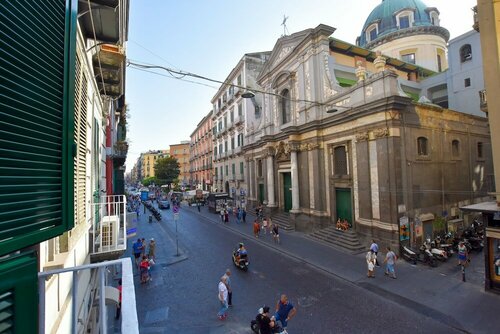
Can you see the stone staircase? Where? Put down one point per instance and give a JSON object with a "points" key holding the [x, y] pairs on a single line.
{"points": [[282, 219], [346, 240]]}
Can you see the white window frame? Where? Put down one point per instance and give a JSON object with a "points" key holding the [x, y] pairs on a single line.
{"points": [[370, 29], [434, 17], [408, 13]]}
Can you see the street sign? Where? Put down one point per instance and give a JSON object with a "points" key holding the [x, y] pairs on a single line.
{"points": [[175, 209], [176, 216]]}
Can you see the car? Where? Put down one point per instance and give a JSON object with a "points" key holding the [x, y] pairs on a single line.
{"points": [[163, 205]]}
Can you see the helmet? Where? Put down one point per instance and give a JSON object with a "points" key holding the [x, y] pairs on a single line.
{"points": [[265, 309], [241, 245]]}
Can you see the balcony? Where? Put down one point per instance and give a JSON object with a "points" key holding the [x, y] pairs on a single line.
{"points": [[109, 228], [119, 153], [240, 177], [237, 150], [108, 63], [91, 290], [483, 102]]}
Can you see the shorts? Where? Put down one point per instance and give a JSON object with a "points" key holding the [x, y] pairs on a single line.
{"points": [[137, 255], [390, 268], [462, 257]]}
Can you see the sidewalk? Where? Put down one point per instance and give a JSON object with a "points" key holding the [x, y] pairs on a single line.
{"points": [[439, 294]]}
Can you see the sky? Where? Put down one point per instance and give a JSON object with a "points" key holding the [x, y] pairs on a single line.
{"points": [[209, 38]]}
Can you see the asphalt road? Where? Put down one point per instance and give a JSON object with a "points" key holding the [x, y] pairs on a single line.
{"points": [[182, 298]]}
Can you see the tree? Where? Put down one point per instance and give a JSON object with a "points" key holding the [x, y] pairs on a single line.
{"points": [[167, 170], [147, 181]]}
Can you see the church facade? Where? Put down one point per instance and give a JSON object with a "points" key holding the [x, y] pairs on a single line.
{"points": [[345, 134]]}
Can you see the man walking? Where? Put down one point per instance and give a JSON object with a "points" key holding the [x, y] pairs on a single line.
{"points": [[244, 215], [284, 311], [390, 260], [137, 248], [374, 248], [229, 289], [222, 315]]}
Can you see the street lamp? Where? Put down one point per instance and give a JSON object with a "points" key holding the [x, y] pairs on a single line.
{"points": [[334, 109], [248, 94]]}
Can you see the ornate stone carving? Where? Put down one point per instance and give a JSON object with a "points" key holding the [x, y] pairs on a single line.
{"points": [[381, 132], [307, 81], [379, 62], [282, 151], [308, 146], [283, 53], [270, 151], [360, 71], [362, 136]]}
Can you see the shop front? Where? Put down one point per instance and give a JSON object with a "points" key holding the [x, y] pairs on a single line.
{"points": [[491, 218]]}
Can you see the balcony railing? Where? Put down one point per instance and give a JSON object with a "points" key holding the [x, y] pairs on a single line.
{"points": [[109, 228], [483, 102], [99, 296]]}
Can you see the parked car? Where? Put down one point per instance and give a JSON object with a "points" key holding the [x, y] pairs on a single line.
{"points": [[164, 205]]}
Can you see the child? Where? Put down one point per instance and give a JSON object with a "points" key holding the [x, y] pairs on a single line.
{"points": [[144, 267], [264, 225]]}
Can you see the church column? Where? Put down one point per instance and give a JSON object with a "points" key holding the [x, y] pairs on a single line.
{"points": [[270, 179], [295, 181]]}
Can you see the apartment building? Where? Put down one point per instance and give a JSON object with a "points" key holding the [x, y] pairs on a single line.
{"points": [[232, 118], [148, 161], [181, 153], [200, 155]]}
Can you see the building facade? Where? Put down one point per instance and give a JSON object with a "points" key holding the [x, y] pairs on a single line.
{"points": [[200, 155], [148, 160], [181, 153], [232, 118], [343, 136]]}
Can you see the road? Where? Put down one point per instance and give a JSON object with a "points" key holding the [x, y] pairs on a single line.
{"points": [[182, 298]]}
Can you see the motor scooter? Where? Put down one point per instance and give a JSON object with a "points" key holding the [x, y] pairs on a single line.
{"points": [[409, 255], [241, 261], [255, 325], [437, 253], [427, 257]]}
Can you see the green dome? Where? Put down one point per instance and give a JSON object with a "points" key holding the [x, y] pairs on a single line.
{"points": [[385, 16]]}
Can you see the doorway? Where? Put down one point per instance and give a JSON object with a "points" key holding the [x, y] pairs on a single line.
{"points": [[344, 204], [287, 191], [261, 193]]}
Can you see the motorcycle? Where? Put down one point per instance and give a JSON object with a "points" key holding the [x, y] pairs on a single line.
{"points": [[241, 261], [447, 247], [255, 326], [409, 255], [427, 257]]}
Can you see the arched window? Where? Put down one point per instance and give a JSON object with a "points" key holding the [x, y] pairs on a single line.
{"points": [[285, 106], [455, 148], [422, 146], [434, 18], [372, 32], [405, 19], [465, 53]]}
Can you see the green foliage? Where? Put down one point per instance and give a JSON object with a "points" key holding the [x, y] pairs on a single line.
{"points": [[439, 224], [167, 170], [146, 182]]}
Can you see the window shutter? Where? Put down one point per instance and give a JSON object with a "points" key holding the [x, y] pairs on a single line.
{"points": [[37, 51], [18, 294]]}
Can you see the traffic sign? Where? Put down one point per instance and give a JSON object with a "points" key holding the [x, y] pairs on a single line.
{"points": [[175, 209], [176, 216]]}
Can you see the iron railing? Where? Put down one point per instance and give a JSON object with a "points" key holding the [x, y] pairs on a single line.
{"points": [[109, 228]]}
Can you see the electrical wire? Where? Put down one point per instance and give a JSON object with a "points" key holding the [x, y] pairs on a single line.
{"points": [[171, 77], [95, 41], [180, 74]]}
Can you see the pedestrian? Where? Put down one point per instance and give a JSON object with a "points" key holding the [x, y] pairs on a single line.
{"points": [[265, 225], [143, 247], [244, 215], [229, 289], [226, 216], [119, 306], [199, 206], [269, 225], [144, 267], [374, 248], [137, 212], [238, 215], [284, 311], [222, 215], [256, 228], [137, 248], [370, 261], [390, 261], [276, 234], [223, 293], [152, 250], [462, 254]]}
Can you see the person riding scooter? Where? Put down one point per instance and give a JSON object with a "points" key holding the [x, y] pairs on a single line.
{"points": [[241, 252]]}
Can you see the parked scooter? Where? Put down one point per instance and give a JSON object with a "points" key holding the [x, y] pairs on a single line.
{"points": [[437, 253], [409, 255], [448, 248], [427, 257]]}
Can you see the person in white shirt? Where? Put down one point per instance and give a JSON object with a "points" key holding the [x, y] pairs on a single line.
{"points": [[223, 298]]}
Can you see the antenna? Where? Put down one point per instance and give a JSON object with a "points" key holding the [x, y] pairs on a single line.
{"points": [[285, 29]]}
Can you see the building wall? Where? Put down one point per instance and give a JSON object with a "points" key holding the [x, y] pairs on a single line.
{"points": [[201, 155], [181, 153], [148, 161]]}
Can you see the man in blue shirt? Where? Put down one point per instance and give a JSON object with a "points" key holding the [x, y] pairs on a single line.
{"points": [[284, 311], [137, 248], [374, 248]]}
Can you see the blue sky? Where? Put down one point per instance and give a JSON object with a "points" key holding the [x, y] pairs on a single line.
{"points": [[209, 38]]}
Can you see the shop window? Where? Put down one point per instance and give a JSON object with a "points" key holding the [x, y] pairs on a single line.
{"points": [[422, 148], [285, 106], [455, 148], [465, 53]]}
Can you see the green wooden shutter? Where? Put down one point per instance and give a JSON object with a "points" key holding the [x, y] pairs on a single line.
{"points": [[37, 55], [18, 294]]}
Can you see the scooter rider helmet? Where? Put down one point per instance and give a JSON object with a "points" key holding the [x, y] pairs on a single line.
{"points": [[241, 245]]}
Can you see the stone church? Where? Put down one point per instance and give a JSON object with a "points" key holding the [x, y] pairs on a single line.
{"points": [[346, 131]]}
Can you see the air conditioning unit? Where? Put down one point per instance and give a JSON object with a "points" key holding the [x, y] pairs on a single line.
{"points": [[110, 228]]}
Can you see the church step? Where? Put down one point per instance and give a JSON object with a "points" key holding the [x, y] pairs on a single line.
{"points": [[346, 240]]}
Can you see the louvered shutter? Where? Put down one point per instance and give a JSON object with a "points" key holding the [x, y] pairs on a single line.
{"points": [[18, 294], [80, 171], [37, 52]]}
